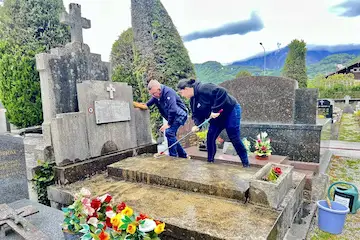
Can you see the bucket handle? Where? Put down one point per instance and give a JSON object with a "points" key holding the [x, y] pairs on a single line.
{"points": [[336, 183]]}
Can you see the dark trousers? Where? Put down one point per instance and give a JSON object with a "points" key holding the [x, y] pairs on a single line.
{"points": [[232, 126], [170, 133]]}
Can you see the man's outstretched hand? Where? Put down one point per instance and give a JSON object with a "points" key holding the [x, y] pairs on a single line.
{"points": [[142, 106]]}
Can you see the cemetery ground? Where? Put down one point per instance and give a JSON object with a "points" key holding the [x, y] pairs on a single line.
{"points": [[347, 169]]}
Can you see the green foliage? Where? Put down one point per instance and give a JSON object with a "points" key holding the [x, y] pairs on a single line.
{"points": [[336, 86], [214, 72], [44, 177], [19, 86], [328, 64], [27, 27], [243, 73], [295, 66]]}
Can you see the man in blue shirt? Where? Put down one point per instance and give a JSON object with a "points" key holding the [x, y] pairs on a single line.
{"points": [[173, 109]]}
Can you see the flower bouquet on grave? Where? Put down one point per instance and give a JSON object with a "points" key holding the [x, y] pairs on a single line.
{"points": [[262, 146], [273, 175], [98, 219]]}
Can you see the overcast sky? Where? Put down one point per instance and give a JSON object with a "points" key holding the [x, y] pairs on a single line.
{"points": [[230, 30]]}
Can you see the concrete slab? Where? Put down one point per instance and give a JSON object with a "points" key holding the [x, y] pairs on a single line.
{"points": [[220, 157], [187, 215], [221, 179]]}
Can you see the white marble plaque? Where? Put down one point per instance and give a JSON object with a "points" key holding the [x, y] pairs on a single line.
{"points": [[109, 111]]}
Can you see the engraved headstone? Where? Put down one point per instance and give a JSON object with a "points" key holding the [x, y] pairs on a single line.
{"points": [[107, 111], [13, 182]]}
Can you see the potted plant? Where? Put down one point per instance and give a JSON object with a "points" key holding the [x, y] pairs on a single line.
{"points": [[262, 146], [97, 218], [273, 175]]}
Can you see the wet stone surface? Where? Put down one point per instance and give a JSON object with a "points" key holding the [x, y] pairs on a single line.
{"points": [[190, 215], [226, 180]]}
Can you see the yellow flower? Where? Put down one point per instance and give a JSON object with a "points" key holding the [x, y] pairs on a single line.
{"points": [[159, 228], [127, 211], [116, 221], [131, 228]]}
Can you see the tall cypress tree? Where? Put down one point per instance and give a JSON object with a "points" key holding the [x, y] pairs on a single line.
{"points": [[27, 27], [295, 63]]}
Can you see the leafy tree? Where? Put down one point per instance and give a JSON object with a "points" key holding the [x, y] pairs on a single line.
{"points": [[27, 27], [295, 64], [243, 73]]}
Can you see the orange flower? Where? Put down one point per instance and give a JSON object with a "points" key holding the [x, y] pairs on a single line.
{"points": [[104, 236], [131, 228]]}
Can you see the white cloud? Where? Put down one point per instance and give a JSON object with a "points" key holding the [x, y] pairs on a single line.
{"points": [[283, 21]]}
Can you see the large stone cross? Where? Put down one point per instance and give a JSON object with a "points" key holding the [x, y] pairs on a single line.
{"points": [[75, 21]]}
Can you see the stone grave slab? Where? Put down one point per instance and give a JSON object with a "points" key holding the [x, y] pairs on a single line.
{"points": [[46, 219], [187, 215], [225, 180], [109, 133], [194, 153], [13, 182], [271, 193], [10, 219]]}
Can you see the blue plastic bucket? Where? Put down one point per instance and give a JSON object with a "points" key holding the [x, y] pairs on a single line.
{"points": [[331, 220]]}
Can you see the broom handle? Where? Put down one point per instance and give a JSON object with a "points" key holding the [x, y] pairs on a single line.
{"points": [[206, 121]]}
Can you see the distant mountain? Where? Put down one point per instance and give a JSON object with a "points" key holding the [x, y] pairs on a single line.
{"points": [[276, 59], [319, 60]]}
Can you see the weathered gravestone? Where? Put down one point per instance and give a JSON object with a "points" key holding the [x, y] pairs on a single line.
{"points": [[348, 108], [13, 182], [4, 125], [327, 106]]}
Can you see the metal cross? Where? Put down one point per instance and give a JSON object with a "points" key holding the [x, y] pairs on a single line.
{"points": [[111, 90], [75, 21], [322, 102]]}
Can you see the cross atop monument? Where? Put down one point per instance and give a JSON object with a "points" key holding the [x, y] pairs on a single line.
{"points": [[75, 21], [111, 90]]}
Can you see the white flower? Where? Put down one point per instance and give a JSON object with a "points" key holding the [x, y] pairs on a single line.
{"points": [[264, 134], [85, 192], [93, 221], [258, 136], [102, 198], [147, 226], [110, 214]]}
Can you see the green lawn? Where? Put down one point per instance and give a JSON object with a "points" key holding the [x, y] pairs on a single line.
{"points": [[342, 169], [349, 128]]}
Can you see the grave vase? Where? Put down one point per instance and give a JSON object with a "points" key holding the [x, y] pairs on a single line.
{"points": [[72, 236], [263, 157]]}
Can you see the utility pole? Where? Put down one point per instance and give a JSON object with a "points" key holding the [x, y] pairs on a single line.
{"points": [[264, 57]]}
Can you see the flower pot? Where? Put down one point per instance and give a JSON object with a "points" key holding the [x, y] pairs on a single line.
{"points": [[263, 157], [72, 236]]}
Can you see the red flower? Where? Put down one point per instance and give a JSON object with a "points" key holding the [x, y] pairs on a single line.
{"points": [[157, 222], [108, 223], [259, 141], [277, 170], [142, 217], [120, 207], [96, 203], [108, 198], [108, 208], [263, 148]]}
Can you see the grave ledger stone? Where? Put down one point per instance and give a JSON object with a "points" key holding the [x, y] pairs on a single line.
{"points": [[13, 182]]}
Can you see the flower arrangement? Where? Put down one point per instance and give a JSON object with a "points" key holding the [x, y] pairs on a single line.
{"points": [[247, 145], [262, 145], [98, 219], [273, 175]]}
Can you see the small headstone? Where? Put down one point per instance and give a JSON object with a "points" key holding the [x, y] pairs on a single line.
{"points": [[3, 122], [13, 181], [348, 108], [229, 149]]}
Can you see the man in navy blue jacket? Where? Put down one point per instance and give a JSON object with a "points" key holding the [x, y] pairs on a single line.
{"points": [[173, 109]]}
